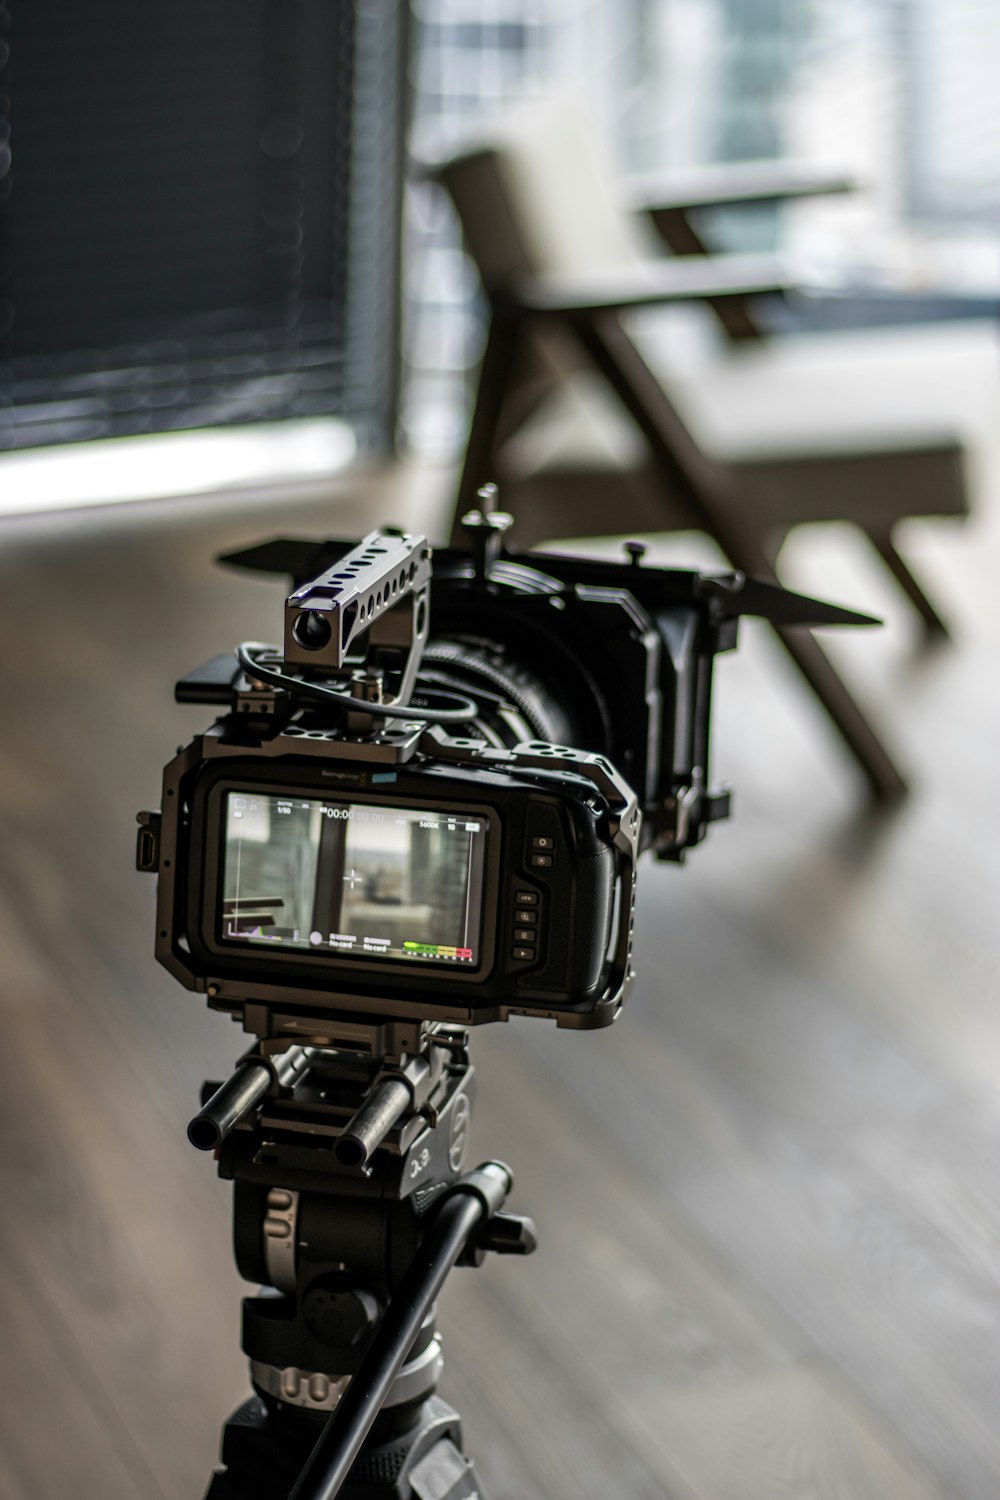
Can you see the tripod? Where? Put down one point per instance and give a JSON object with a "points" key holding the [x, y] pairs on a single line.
{"points": [[350, 1208]]}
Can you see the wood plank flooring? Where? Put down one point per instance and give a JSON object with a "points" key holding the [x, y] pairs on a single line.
{"points": [[768, 1199]]}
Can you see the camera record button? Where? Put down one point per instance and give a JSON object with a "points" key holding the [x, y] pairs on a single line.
{"points": [[543, 841], [523, 953]]}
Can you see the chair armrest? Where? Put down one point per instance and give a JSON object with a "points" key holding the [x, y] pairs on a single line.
{"points": [[730, 184], [695, 278]]}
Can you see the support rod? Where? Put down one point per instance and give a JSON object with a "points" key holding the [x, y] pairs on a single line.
{"points": [[234, 1099], [241, 1093], [368, 1126]]}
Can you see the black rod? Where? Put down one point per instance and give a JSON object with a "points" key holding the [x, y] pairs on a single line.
{"points": [[370, 1124], [340, 1441], [235, 1098]]}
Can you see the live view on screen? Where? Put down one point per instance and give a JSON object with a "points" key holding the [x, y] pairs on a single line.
{"points": [[354, 879]]}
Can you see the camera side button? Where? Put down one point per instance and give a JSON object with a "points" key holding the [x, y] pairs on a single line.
{"points": [[541, 861], [526, 923], [543, 841]]}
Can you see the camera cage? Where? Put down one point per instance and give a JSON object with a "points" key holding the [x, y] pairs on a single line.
{"points": [[356, 624], [284, 1008]]}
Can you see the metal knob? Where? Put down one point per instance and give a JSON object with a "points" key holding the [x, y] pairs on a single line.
{"points": [[485, 529]]}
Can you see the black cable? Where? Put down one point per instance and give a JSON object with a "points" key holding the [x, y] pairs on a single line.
{"points": [[330, 696]]}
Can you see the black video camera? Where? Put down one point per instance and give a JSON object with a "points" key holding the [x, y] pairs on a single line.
{"points": [[431, 810]]}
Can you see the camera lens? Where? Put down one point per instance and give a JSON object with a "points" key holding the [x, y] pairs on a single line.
{"points": [[312, 630], [514, 704]]}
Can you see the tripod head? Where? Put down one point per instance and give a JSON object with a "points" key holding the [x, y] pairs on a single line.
{"points": [[350, 1207]]}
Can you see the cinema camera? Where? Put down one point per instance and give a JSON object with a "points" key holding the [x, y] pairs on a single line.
{"points": [[412, 818]]}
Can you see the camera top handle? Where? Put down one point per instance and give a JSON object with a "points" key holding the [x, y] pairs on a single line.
{"points": [[379, 589]]}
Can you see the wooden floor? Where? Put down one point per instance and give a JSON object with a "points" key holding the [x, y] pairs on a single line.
{"points": [[769, 1198]]}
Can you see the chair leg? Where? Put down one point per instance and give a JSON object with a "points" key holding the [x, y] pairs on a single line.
{"points": [[498, 358], [900, 570], [880, 770], [716, 509]]}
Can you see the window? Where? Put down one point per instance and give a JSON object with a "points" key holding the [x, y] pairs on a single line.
{"points": [[198, 216]]}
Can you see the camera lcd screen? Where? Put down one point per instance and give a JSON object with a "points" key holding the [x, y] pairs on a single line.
{"points": [[352, 879]]}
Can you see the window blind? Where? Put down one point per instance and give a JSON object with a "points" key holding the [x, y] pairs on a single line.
{"points": [[198, 215]]}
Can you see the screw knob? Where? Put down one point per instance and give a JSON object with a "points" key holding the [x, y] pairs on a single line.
{"points": [[339, 1317]]}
